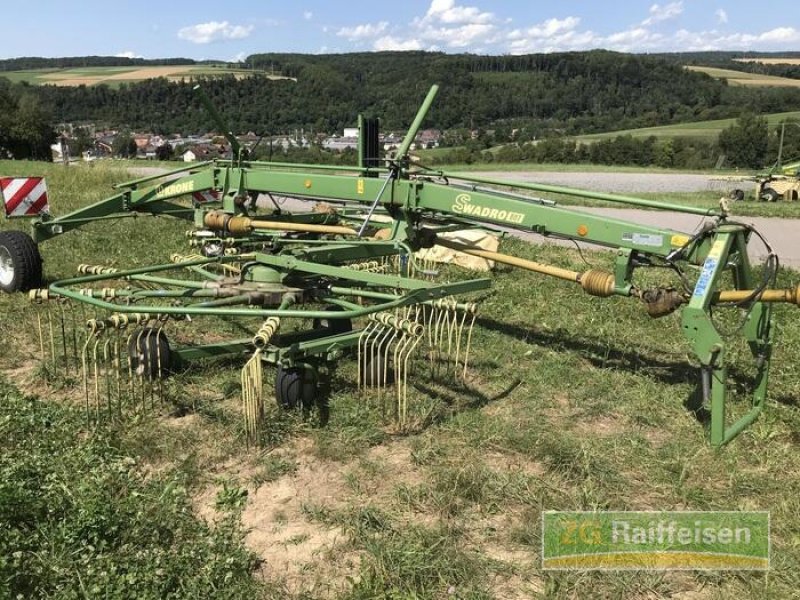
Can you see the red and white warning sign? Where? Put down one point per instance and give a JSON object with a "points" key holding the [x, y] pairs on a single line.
{"points": [[24, 196], [205, 196]]}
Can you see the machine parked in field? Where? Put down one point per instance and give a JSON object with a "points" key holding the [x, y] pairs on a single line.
{"points": [[354, 275], [779, 182]]}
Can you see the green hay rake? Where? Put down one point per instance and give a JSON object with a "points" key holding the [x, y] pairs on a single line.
{"points": [[355, 274]]}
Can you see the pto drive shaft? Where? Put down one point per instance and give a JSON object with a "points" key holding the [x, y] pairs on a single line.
{"points": [[241, 225]]}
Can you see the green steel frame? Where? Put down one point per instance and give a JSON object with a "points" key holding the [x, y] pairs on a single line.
{"points": [[421, 203]]}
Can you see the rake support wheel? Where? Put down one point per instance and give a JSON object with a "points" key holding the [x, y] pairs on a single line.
{"points": [[296, 387], [150, 354]]}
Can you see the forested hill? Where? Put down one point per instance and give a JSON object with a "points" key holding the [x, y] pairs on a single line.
{"points": [[38, 62], [548, 94]]}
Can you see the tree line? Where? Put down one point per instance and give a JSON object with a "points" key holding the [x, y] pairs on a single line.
{"points": [[748, 143], [520, 98], [553, 94], [26, 63], [25, 126]]}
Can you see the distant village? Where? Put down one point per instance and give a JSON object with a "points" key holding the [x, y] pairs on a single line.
{"points": [[88, 143]]}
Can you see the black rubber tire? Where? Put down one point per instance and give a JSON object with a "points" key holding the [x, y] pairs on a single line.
{"points": [[295, 387], [373, 371], [150, 354], [737, 195], [334, 326], [23, 253], [770, 195]]}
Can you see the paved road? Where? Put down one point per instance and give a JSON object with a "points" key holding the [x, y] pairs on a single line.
{"points": [[623, 183], [782, 234]]}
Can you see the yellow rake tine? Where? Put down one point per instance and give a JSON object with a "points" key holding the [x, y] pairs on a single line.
{"points": [[469, 342], [52, 338], [41, 334], [459, 333], [85, 373], [96, 377]]}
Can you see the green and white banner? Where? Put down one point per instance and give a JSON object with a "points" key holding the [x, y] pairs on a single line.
{"points": [[656, 540]]}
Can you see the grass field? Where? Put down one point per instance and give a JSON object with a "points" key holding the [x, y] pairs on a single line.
{"points": [[572, 402], [114, 76], [781, 60], [747, 79], [708, 130]]}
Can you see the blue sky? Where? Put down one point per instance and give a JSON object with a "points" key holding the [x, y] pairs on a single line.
{"points": [[233, 29]]}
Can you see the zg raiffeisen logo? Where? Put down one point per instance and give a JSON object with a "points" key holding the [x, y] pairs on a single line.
{"points": [[656, 540]]}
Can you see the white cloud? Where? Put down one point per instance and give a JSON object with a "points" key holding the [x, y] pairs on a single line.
{"points": [[448, 26], [308, 15], [128, 54], [553, 27], [780, 38], [660, 13], [446, 11], [239, 57], [781, 35], [388, 42], [214, 31], [363, 32]]}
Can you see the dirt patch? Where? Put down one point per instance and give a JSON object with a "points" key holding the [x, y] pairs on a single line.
{"points": [[292, 544], [602, 426], [148, 73], [76, 81], [771, 61]]}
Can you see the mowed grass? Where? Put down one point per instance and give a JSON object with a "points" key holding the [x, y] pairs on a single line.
{"points": [[114, 76], [708, 130], [571, 403], [746, 79], [707, 199], [777, 60]]}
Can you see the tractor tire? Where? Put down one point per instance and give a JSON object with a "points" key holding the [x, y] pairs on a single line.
{"points": [[334, 326], [20, 262], [295, 387], [770, 195], [150, 354]]}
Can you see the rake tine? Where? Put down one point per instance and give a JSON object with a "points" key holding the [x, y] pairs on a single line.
{"points": [[107, 373], [459, 333], [417, 339], [53, 357], [159, 363], [140, 370], [131, 374], [41, 334], [362, 352], [85, 375], [392, 339], [74, 331], [469, 342], [62, 322], [95, 369], [117, 366], [388, 334], [252, 397], [398, 375]]}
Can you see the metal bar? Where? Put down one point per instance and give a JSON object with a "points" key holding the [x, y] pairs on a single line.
{"points": [[567, 191], [402, 151], [312, 167], [226, 131]]}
